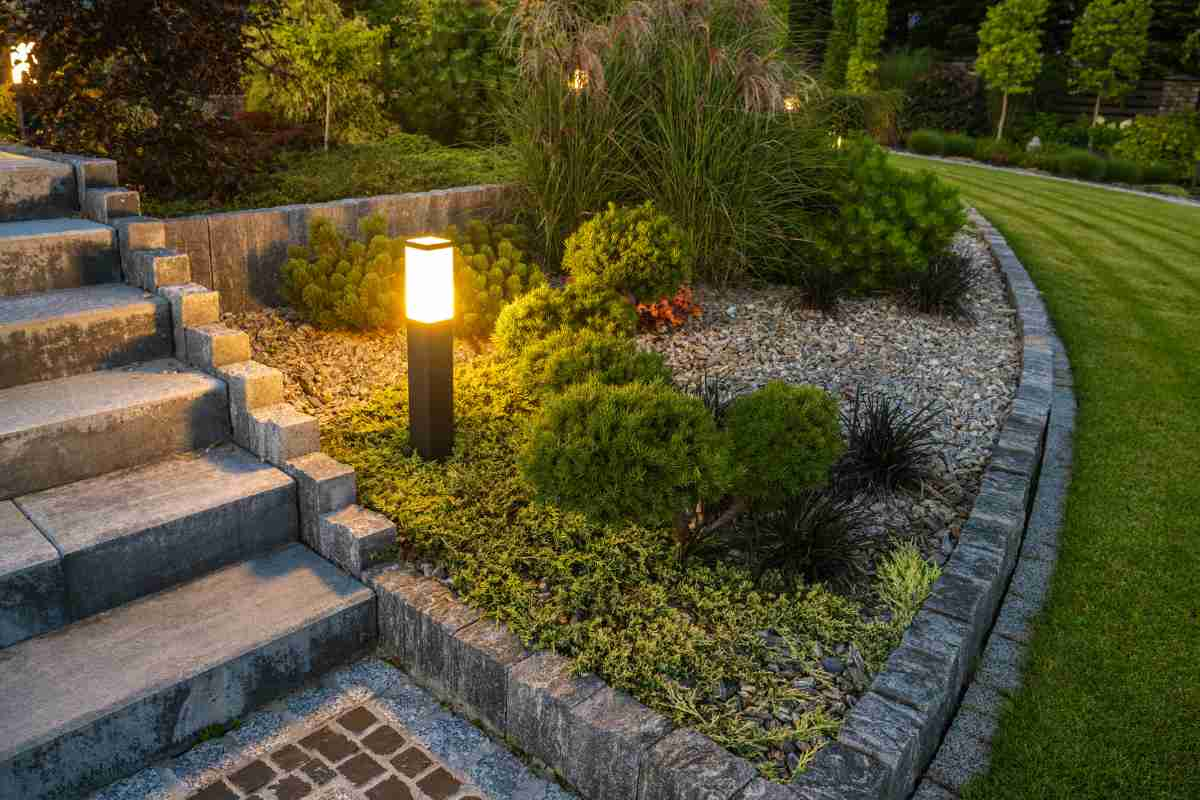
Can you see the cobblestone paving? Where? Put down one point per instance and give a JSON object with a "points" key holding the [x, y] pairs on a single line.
{"points": [[365, 732]]}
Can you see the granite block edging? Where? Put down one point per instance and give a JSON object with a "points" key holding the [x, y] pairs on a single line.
{"points": [[607, 745]]}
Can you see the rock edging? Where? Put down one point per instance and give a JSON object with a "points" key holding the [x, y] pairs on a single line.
{"points": [[607, 745]]}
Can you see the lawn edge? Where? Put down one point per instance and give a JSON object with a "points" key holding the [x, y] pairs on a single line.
{"points": [[606, 744]]}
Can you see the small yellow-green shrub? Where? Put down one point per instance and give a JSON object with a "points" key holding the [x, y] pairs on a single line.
{"points": [[570, 357], [546, 310], [636, 251]]}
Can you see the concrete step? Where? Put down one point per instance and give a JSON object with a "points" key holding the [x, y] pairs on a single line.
{"points": [[61, 431], [72, 331], [93, 702], [138, 531], [32, 596], [47, 254], [35, 188]]}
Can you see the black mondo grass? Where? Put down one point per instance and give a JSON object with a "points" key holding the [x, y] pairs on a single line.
{"points": [[815, 536], [715, 392], [942, 287], [888, 445]]}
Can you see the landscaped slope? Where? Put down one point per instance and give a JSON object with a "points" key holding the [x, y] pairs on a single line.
{"points": [[1112, 693]]}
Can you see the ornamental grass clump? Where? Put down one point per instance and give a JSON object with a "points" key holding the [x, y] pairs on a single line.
{"points": [[814, 536], [546, 310], [554, 364], [942, 287], [888, 444], [636, 251]]}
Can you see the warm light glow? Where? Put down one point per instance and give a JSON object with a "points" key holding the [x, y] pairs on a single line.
{"points": [[21, 58], [429, 279], [839, 143], [579, 80], [791, 103]]}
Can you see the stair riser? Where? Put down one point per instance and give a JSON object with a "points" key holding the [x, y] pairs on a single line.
{"points": [[63, 452], [58, 348], [158, 558], [46, 263], [123, 742], [37, 194]]}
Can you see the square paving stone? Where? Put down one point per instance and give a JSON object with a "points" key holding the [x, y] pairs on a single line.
{"points": [[332, 745], [391, 789], [215, 791], [290, 788], [412, 762], [357, 720], [361, 769], [383, 740], [288, 757], [439, 784], [318, 772], [254, 775]]}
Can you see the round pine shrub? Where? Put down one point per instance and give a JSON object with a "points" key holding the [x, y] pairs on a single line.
{"points": [[635, 251], [927, 142], [546, 310], [642, 452], [490, 271], [959, 144], [1081, 164], [570, 357], [1120, 170], [785, 440]]}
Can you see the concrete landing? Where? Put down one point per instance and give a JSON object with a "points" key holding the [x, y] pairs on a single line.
{"points": [[31, 188], [61, 431], [71, 331], [47, 254], [95, 701], [131, 533]]}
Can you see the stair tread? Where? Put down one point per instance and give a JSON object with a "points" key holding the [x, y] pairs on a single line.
{"points": [[58, 226], [12, 162], [104, 298], [72, 677], [94, 511], [49, 402]]}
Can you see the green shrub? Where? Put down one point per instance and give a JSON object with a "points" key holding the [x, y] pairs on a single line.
{"points": [[888, 222], [635, 251], [1171, 139], [337, 282], [643, 452], [959, 144], [785, 439], [876, 114], [900, 68], [8, 114], [490, 271], [568, 358], [1002, 153], [905, 580], [927, 142], [1119, 170], [577, 307], [946, 98], [1081, 164], [1158, 172]]}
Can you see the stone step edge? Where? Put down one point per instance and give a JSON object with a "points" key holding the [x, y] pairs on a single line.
{"points": [[606, 744]]}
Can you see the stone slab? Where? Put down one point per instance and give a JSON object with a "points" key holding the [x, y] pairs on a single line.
{"points": [[247, 249], [322, 485], [72, 331], [542, 690], [104, 205], [191, 305], [214, 345], [96, 701], [194, 514], [158, 268], [32, 597], [609, 736], [190, 235], [890, 733], [47, 254], [35, 188], [65, 430], [686, 765], [279, 433], [927, 683], [350, 537], [839, 772]]}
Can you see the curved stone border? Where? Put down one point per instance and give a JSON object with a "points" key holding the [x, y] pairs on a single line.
{"points": [[607, 745], [966, 162]]}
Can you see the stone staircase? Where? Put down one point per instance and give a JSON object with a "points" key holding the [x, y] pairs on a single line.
{"points": [[174, 548]]}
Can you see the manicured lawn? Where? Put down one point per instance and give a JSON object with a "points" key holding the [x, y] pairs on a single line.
{"points": [[1111, 706]]}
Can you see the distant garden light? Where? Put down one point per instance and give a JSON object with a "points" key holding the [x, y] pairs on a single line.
{"points": [[579, 80], [791, 103], [429, 306], [20, 59]]}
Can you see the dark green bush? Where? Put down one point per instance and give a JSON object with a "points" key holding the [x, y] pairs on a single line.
{"points": [[1119, 170], [643, 452], [1158, 172], [571, 357], [1170, 139], [1002, 153], [635, 251], [888, 222], [1081, 164], [927, 142], [546, 310], [959, 144], [785, 439], [336, 282], [490, 271], [947, 98]]}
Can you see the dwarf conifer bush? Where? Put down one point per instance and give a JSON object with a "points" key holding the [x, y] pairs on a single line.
{"points": [[642, 452], [1119, 170], [785, 439], [337, 282], [1082, 164], [959, 144], [636, 251], [571, 357], [887, 222], [490, 271], [579, 306], [927, 142]]}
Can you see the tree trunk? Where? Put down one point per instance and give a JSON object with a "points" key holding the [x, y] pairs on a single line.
{"points": [[1096, 109], [1003, 115], [328, 112]]}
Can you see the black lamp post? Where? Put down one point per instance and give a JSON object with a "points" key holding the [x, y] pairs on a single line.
{"points": [[429, 306]]}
